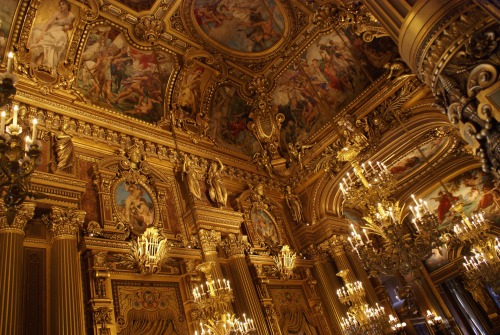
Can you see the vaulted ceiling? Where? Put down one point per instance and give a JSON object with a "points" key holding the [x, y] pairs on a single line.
{"points": [[271, 87]]}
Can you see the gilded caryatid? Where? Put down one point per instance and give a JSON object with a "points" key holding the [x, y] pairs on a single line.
{"points": [[216, 188], [192, 177]]}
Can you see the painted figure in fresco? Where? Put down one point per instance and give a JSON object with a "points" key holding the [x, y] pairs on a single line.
{"points": [[216, 188], [265, 228], [132, 201], [190, 93], [294, 204], [49, 41], [446, 201], [192, 177]]}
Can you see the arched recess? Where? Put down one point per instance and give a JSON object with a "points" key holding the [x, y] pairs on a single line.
{"points": [[425, 124]]}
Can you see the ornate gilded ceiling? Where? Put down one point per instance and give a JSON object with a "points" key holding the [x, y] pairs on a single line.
{"points": [[276, 84]]}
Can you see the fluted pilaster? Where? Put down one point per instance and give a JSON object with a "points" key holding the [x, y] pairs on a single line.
{"points": [[67, 299], [11, 270], [360, 271], [339, 256], [243, 283], [325, 275], [209, 240]]}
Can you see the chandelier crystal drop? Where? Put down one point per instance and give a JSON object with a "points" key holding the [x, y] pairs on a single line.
{"points": [[19, 153]]}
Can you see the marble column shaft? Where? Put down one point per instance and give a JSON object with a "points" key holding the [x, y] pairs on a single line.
{"points": [[66, 284], [11, 271]]}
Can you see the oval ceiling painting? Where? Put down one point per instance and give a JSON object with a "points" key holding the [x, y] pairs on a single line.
{"points": [[245, 26]]}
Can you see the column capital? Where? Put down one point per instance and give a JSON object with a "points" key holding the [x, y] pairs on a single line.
{"points": [[337, 243], [209, 240], [318, 253], [235, 245], [23, 215], [65, 222]]}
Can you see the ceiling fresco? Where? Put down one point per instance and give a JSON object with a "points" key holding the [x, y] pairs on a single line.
{"points": [[245, 26], [252, 78]]}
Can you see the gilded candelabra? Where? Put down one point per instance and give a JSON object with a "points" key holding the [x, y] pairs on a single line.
{"points": [[389, 244], [19, 154], [213, 301], [149, 251], [397, 326], [285, 262], [361, 318], [434, 321]]}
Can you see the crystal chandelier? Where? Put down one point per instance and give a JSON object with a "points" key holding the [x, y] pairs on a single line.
{"points": [[285, 262], [213, 301], [19, 154], [361, 319], [484, 263], [149, 251], [389, 244]]}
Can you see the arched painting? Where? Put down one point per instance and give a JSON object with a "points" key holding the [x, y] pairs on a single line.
{"points": [[6, 16], [326, 77], [115, 75], [241, 25], [264, 227], [228, 122], [134, 206], [416, 157], [476, 191]]}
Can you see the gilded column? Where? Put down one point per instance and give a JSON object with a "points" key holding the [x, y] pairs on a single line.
{"points": [[209, 240], [244, 287], [328, 285], [11, 270], [67, 292]]}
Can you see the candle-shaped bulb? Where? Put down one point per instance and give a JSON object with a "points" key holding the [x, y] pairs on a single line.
{"points": [[10, 58], [33, 134], [2, 120], [14, 118]]}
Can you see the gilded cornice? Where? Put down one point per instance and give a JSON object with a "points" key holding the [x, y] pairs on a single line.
{"points": [[200, 216], [65, 223], [24, 213], [57, 189]]}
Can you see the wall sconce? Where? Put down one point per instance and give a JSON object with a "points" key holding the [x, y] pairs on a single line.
{"points": [[285, 262]]}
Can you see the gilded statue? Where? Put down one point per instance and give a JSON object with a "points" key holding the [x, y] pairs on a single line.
{"points": [[216, 188], [294, 204], [351, 134], [64, 149], [192, 177], [297, 151]]}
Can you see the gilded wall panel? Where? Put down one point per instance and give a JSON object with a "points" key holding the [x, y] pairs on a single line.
{"points": [[149, 308], [295, 316]]}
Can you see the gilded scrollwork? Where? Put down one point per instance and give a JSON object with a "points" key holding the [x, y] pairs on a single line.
{"points": [[354, 15], [149, 28]]}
